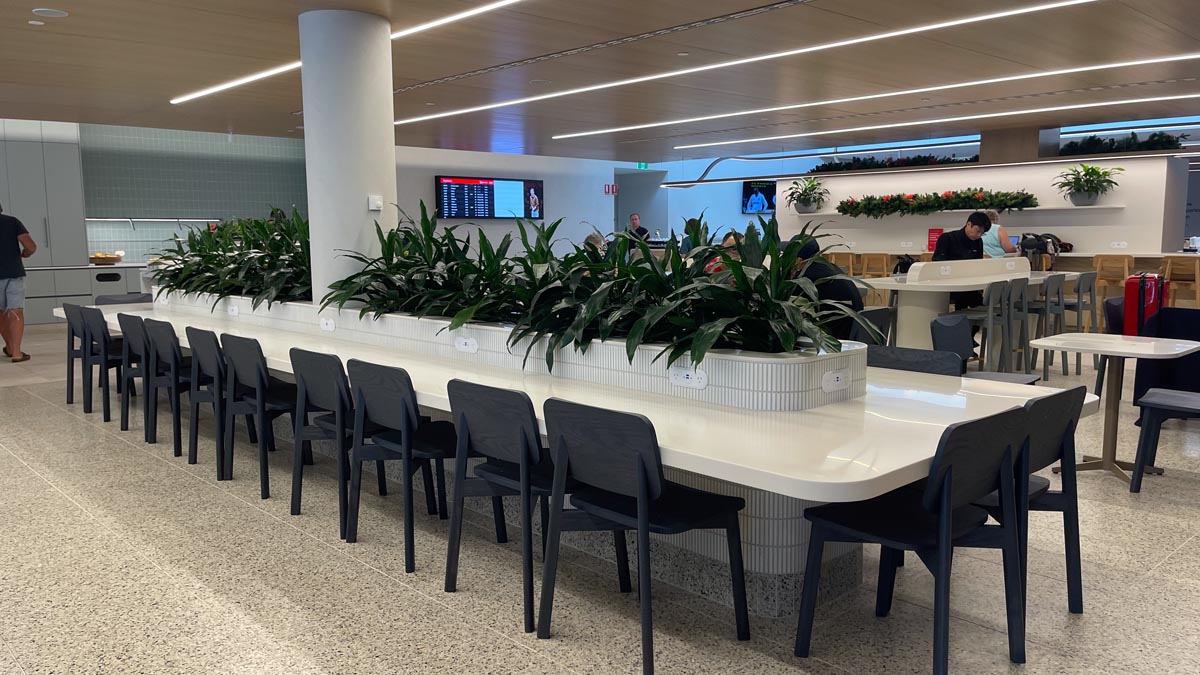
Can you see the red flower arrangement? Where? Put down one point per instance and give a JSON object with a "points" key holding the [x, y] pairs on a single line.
{"points": [[907, 203]]}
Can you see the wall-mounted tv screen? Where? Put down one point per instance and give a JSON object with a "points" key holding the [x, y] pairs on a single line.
{"points": [[464, 197], [758, 196]]}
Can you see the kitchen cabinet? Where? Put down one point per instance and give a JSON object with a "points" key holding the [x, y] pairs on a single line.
{"points": [[72, 282], [27, 194], [66, 227]]}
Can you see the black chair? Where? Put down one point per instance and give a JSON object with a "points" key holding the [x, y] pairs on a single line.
{"points": [[1051, 312], [1084, 302], [76, 332], [135, 360], [101, 350], [614, 459], [251, 391], [500, 425], [126, 299], [915, 360], [1052, 423], [952, 333], [322, 389], [168, 370], [1158, 406], [384, 397], [207, 381], [973, 459], [1114, 323], [1016, 311], [877, 317]]}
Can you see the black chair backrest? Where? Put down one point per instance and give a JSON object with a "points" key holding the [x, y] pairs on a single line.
{"points": [[322, 378], [975, 452], [1017, 297], [1114, 315], [1052, 421], [952, 333], [915, 360], [1085, 284], [993, 294], [383, 394], [126, 299], [134, 331], [206, 352], [74, 320], [498, 423], [245, 362], [605, 448], [877, 317], [1183, 373], [163, 344], [94, 324], [1053, 290]]}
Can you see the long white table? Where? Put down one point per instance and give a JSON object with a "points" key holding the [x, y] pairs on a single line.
{"points": [[841, 452]]}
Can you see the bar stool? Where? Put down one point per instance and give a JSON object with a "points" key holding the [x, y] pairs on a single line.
{"points": [[384, 396], [1051, 308], [1084, 301], [168, 370], [1111, 270], [134, 363], [876, 266], [1183, 271], [500, 425], [614, 459], [251, 391], [843, 259], [76, 333], [207, 386], [103, 350]]}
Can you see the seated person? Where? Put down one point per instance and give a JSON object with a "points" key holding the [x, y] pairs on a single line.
{"points": [[964, 244], [841, 290]]}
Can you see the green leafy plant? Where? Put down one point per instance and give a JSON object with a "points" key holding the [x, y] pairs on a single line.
{"points": [[870, 163], [901, 204], [267, 260], [1086, 179], [807, 192], [1096, 145]]}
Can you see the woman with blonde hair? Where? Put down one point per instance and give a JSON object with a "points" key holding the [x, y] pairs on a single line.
{"points": [[995, 240]]}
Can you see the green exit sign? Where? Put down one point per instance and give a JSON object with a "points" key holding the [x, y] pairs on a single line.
{"points": [[643, 165]]}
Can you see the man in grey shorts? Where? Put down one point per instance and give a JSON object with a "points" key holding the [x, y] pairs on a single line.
{"points": [[15, 244]]}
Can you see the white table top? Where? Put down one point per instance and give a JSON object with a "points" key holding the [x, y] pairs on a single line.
{"points": [[1130, 346], [900, 282], [840, 452]]}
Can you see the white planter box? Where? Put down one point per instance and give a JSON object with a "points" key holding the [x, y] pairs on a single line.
{"points": [[748, 380]]}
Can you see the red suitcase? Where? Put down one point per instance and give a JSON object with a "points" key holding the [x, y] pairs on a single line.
{"points": [[1145, 294]]}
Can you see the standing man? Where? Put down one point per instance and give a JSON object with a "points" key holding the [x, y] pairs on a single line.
{"points": [[964, 244], [15, 244], [635, 227]]}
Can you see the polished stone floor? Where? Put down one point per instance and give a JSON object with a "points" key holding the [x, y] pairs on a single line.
{"points": [[116, 557]]}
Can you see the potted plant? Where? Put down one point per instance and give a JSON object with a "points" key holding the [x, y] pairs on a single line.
{"points": [[806, 195], [1084, 184]]}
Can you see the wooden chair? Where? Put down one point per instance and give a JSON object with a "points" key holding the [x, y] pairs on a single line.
{"points": [[1183, 271], [1111, 270], [843, 259], [875, 266]]}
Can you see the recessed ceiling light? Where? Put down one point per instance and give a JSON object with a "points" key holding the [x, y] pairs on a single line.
{"points": [[539, 82], [50, 13], [888, 94], [292, 66], [682, 53], [298, 113], [944, 120], [430, 103], [34, 22], [755, 59]]}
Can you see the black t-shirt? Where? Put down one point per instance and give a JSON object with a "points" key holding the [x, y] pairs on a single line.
{"points": [[11, 266], [640, 232], [842, 290], [957, 245]]}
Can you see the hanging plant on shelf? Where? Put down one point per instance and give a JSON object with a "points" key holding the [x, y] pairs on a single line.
{"points": [[871, 163], [806, 195], [1084, 184], [904, 204]]}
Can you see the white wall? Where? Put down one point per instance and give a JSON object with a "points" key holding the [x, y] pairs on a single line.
{"points": [[1150, 195], [574, 188], [720, 202]]}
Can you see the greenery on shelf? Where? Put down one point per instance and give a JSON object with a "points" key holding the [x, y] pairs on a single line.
{"points": [[751, 296], [871, 163], [807, 192], [1096, 145], [267, 260], [901, 204], [1086, 179]]}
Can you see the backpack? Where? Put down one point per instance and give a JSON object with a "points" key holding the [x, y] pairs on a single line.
{"points": [[903, 263], [1033, 243]]}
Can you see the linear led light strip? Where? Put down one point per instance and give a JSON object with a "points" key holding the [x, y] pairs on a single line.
{"points": [[1127, 130], [296, 64], [753, 59], [943, 120], [890, 94]]}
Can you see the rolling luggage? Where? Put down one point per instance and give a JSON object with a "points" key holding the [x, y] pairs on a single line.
{"points": [[1145, 294]]}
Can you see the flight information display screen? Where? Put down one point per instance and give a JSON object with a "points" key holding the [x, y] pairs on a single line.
{"points": [[482, 198]]}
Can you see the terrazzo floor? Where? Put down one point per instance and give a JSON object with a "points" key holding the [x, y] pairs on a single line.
{"points": [[116, 557]]}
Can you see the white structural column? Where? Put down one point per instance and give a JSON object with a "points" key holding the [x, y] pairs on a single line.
{"points": [[349, 137]]}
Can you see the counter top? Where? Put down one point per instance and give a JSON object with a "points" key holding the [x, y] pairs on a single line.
{"points": [[840, 452], [1128, 346], [119, 266], [901, 283]]}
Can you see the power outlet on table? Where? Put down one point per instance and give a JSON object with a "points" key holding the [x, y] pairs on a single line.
{"points": [[467, 345], [690, 378], [836, 380], [327, 325], [233, 310], [945, 270]]}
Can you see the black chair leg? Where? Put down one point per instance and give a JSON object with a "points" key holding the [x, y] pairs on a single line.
{"points": [[176, 421], [223, 472], [622, 554], [104, 392], [355, 492], [251, 429], [527, 557], [1146, 448], [808, 592], [644, 586], [193, 426], [71, 372], [431, 495], [941, 611], [1070, 492], [550, 565], [410, 543], [544, 517], [456, 517], [737, 571], [151, 404], [440, 468], [125, 393], [1014, 591], [265, 441], [301, 447], [87, 385], [1099, 388], [343, 483], [887, 580], [229, 430], [498, 516], [381, 476]]}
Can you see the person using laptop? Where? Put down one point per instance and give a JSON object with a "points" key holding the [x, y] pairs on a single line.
{"points": [[996, 242]]}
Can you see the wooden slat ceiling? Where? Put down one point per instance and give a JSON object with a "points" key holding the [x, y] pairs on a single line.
{"points": [[120, 61]]}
